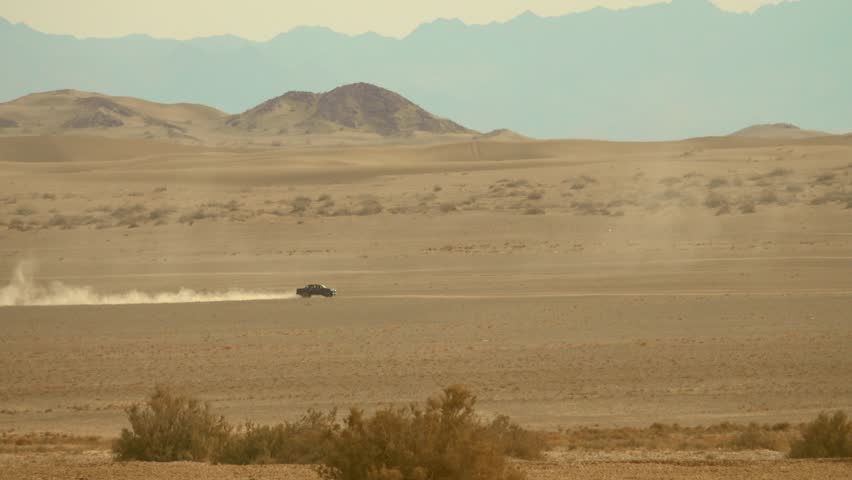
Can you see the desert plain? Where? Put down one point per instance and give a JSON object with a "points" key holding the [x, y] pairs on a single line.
{"points": [[567, 283]]}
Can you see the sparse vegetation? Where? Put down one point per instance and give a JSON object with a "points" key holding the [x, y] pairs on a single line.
{"points": [[829, 436], [307, 441], [171, 427], [825, 179], [725, 436], [443, 438], [763, 437], [42, 442], [839, 196], [670, 181], [716, 201], [369, 206], [747, 207], [24, 211], [300, 205], [717, 182]]}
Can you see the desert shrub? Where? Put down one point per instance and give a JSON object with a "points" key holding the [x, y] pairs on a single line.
{"points": [[161, 189], [670, 181], [170, 427], [307, 441], [794, 188], [441, 439], [670, 194], [21, 226], [825, 179], [836, 196], [324, 197], [198, 214], [369, 206], [521, 182], [24, 211], [747, 207], [536, 195], [300, 205], [160, 215], [515, 441], [534, 211], [717, 182], [231, 205], [829, 436], [768, 197], [128, 211], [67, 222], [591, 208], [437, 188], [715, 201], [129, 216], [444, 439], [777, 172], [757, 437], [447, 207]]}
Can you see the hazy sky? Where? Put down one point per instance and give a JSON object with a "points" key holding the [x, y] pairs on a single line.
{"points": [[263, 19]]}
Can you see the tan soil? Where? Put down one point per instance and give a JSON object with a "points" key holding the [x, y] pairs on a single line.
{"points": [[624, 297]]}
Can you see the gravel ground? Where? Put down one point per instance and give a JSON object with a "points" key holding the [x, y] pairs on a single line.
{"points": [[97, 465]]}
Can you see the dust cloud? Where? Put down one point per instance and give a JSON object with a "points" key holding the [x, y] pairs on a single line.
{"points": [[24, 290]]}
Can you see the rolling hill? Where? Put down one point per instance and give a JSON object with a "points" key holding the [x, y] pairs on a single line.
{"points": [[779, 131], [351, 113], [669, 70]]}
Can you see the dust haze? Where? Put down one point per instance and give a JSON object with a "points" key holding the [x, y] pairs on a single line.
{"points": [[25, 290]]}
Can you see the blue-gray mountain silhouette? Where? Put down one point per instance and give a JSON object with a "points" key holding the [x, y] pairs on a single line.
{"points": [[670, 70]]}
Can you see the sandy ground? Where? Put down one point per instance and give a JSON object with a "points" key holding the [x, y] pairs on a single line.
{"points": [[568, 283], [97, 465]]}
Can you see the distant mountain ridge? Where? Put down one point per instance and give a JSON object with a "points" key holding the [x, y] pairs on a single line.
{"points": [[669, 70], [359, 109], [778, 130]]}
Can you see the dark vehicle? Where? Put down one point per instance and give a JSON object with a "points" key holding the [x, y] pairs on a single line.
{"points": [[310, 290]]}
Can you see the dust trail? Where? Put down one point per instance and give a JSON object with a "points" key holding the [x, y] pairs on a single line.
{"points": [[23, 290]]}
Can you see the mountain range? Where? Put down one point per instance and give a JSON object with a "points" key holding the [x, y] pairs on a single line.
{"points": [[356, 113], [670, 70]]}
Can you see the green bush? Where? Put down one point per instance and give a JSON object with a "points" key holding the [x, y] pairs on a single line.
{"points": [[515, 441], [760, 437], [443, 439], [825, 437], [307, 441], [171, 427]]}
